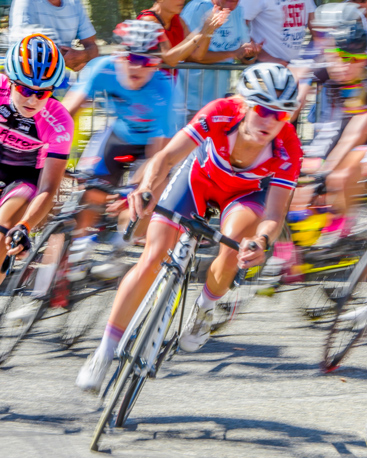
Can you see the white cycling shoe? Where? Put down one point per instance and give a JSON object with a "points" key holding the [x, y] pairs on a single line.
{"points": [[197, 330], [93, 372], [24, 313], [109, 270]]}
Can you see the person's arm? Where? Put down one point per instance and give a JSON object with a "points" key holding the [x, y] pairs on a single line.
{"points": [[354, 134], [157, 170], [277, 203], [266, 57], [244, 52], [76, 59], [195, 42], [73, 101], [91, 79], [303, 90], [40, 206]]}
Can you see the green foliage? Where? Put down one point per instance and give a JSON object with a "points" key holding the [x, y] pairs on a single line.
{"points": [[140, 5], [104, 16], [107, 13]]}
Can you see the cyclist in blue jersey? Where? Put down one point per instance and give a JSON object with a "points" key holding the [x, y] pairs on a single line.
{"points": [[140, 98]]}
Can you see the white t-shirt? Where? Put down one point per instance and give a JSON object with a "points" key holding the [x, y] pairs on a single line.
{"points": [[281, 23]]}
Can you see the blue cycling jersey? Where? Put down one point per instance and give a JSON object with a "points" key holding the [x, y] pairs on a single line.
{"points": [[141, 114]]}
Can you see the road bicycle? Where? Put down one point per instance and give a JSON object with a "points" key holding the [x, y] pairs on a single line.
{"points": [[318, 273], [72, 299], [350, 322], [151, 337]]}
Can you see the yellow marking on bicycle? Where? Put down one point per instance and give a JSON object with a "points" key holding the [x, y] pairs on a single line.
{"points": [[177, 301], [252, 271], [308, 269]]}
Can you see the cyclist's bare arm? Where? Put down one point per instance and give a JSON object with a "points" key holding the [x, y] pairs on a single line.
{"points": [[303, 90], [277, 203], [73, 101], [157, 144], [354, 134], [157, 170], [40, 206]]}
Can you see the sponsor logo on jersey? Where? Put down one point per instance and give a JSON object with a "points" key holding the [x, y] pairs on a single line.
{"points": [[15, 140], [222, 118], [4, 111], [204, 124], [286, 166], [57, 126], [24, 127], [4, 92], [63, 138]]}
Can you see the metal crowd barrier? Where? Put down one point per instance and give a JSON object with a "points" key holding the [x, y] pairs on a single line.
{"points": [[101, 116]]}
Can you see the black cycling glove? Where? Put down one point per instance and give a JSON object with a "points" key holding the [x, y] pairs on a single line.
{"points": [[22, 238]]}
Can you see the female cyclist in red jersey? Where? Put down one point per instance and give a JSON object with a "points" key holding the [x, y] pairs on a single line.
{"points": [[240, 152], [36, 132]]}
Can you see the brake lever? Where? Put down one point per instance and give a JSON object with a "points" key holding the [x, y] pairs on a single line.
{"points": [[239, 279]]}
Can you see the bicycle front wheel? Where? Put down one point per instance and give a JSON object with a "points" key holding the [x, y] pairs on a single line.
{"points": [[22, 304], [351, 319], [131, 369]]}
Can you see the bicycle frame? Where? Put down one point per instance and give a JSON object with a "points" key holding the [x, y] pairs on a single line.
{"points": [[181, 258]]}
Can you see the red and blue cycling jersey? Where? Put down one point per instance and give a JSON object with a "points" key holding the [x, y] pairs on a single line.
{"points": [[27, 142], [215, 128]]}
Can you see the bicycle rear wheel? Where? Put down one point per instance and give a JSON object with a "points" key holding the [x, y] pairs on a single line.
{"points": [[131, 369], [351, 320], [23, 306]]}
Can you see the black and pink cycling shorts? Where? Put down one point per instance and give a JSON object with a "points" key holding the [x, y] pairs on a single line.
{"points": [[19, 181]]}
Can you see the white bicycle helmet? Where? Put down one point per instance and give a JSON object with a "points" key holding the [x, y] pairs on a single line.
{"points": [[139, 36], [270, 85], [337, 14]]}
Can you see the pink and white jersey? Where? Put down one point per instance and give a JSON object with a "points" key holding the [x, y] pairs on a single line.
{"points": [[29, 141]]}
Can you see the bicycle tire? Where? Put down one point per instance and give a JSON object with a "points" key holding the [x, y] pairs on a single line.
{"points": [[81, 317], [350, 322], [129, 366], [137, 382], [12, 331]]}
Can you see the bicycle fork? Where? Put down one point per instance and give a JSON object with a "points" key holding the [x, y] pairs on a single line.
{"points": [[181, 258]]}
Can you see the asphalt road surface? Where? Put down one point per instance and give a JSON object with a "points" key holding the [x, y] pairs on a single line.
{"points": [[254, 391]]}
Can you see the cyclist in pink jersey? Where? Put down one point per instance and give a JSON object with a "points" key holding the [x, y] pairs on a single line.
{"points": [[36, 132], [248, 161]]}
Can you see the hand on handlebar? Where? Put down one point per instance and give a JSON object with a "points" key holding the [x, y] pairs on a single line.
{"points": [[23, 244], [247, 256], [136, 204]]}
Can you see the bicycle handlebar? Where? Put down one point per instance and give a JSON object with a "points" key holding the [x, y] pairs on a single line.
{"points": [[196, 226]]}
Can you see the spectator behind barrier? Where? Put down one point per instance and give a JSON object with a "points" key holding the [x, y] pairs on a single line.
{"points": [[280, 25], [180, 44], [361, 3], [67, 18], [229, 42]]}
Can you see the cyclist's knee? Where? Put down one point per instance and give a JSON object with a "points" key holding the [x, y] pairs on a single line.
{"points": [[227, 260], [94, 196]]}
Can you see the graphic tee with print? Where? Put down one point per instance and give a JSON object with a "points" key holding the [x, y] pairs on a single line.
{"points": [[281, 23]]}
